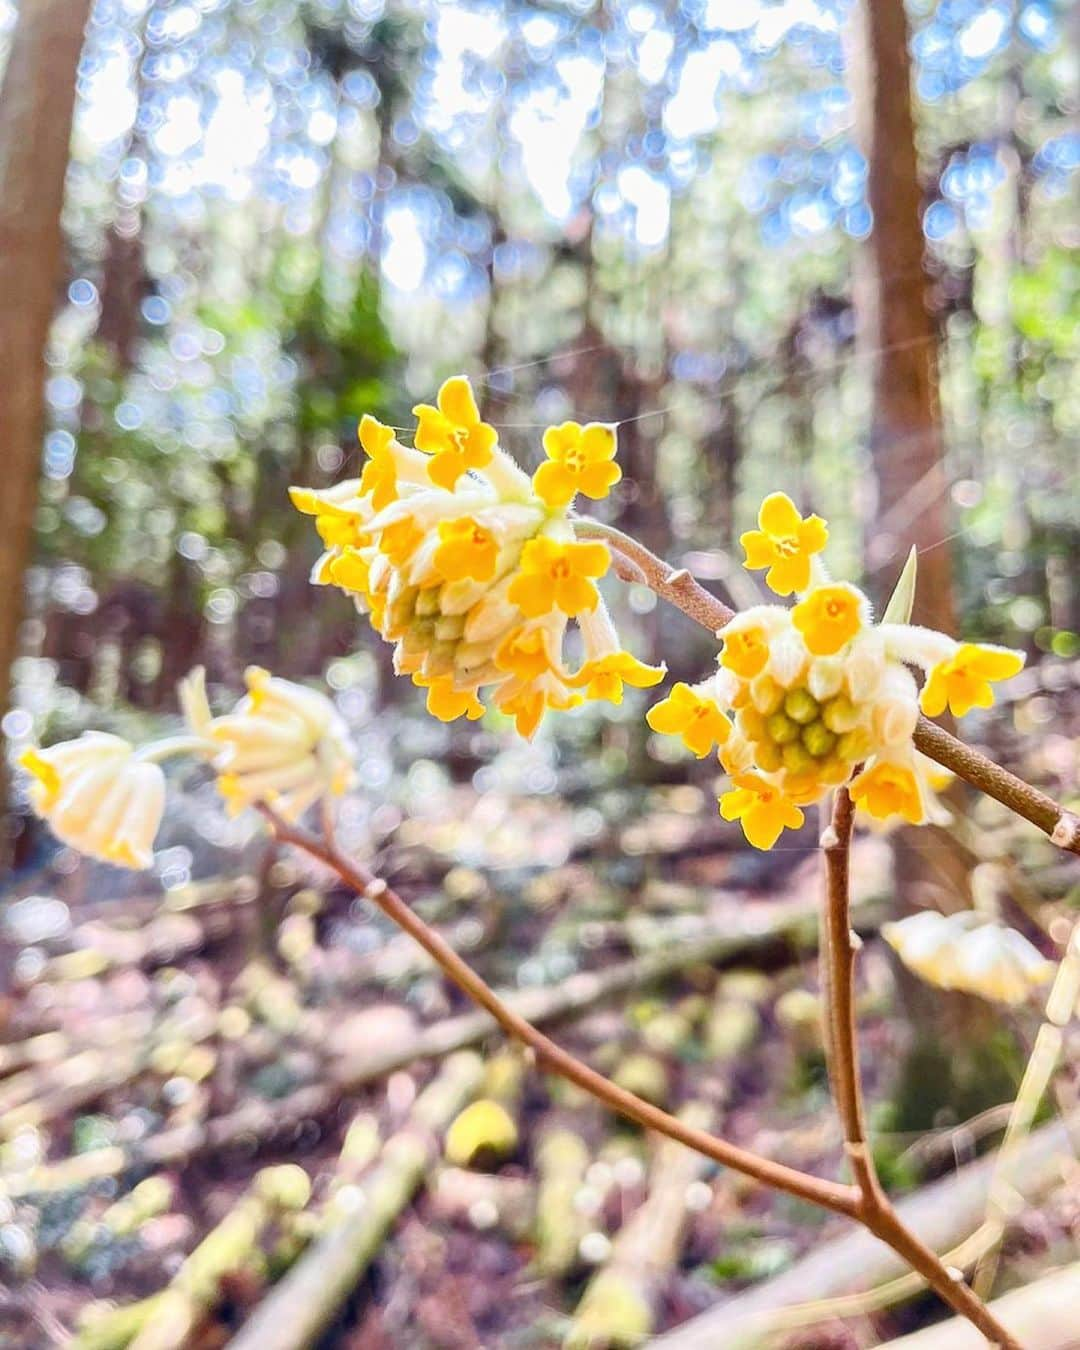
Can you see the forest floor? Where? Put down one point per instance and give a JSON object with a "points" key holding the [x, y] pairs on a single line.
{"points": [[162, 1053]]}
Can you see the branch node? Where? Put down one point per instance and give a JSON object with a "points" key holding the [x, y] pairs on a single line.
{"points": [[1066, 833], [829, 838], [375, 888], [855, 940], [679, 574]]}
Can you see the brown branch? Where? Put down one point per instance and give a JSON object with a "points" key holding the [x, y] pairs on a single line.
{"points": [[1061, 825], [828, 1194], [698, 604], [874, 1208], [676, 585]]}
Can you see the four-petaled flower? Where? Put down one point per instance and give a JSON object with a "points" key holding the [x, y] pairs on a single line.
{"points": [[829, 617], [764, 811], [784, 543], [466, 550], [453, 433], [692, 715], [889, 789], [557, 575], [604, 678], [962, 681], [579, 460]]}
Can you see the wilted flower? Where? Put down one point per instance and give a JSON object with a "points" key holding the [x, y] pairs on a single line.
{"points": [[817, 692], [282, 744], [100, 796], [959, 951], [471, 568]]}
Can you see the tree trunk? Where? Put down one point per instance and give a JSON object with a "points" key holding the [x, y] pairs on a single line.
{"points": [[896, 332], [37, 101], [897, 339]]}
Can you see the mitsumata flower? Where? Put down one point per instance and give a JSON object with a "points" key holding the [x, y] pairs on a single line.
{"points": [[814, 696], [962, 951], [580, 459], [472, 569], [282, 744], [100, 796], [785, 543]]}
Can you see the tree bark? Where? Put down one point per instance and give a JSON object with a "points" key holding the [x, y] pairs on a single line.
{"points": [[37, 102], [896, 331]]}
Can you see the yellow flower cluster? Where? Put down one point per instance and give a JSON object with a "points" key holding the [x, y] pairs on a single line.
{"points": [[805, 696], [472, 569], [282, 745], [100, 795]]}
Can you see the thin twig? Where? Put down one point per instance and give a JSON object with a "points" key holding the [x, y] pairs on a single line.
{"points": [[828, 1194], [874, 1209], [688, 595]]}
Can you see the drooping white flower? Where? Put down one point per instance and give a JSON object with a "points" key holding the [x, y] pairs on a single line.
{"points": [[99, 796], [282, 744], [958, 951]]}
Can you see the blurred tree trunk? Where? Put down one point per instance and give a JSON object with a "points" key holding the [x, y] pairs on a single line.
{"points": [[896, 332], [37, 102], [956, 1058]]}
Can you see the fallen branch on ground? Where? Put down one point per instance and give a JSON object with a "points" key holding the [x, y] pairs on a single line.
{"points": [[305, 1302], [1041, 1314], [944, 1214]]}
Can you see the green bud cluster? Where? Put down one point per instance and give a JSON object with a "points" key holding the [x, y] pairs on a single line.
{"points": [[792, 730]]}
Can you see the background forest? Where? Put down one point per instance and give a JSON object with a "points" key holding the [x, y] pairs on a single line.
{"points": [[720, 224]]}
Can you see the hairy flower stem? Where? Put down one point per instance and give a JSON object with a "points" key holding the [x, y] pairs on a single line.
{"points": [[827, 1194], [681, 590], [873, 1208]]}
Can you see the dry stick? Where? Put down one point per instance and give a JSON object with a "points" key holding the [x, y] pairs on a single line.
{"points": [[680, 588], [874, 1208], [828, 1194]]}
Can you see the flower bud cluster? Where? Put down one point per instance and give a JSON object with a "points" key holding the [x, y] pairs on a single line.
{"points": [[472, 569], [814, 696], [282, 745]]}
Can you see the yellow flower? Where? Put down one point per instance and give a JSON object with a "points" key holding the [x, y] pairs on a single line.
{"points": [[350, 570], [525, 653], [558, 575], [962, 681], [784, 543], [605, 677], [829, 617], [746, 651], [453, 433], [400, 540], [379, 477], [466, 551], [98, 797], [693, 716], [579, 460], [889, 789], [447, 703], [763, 810], [527, 708]]}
